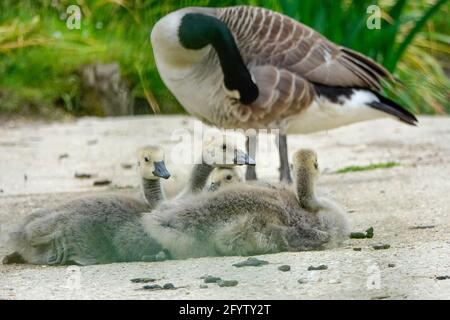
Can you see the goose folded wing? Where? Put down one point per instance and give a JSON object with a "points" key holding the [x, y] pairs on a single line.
{"points": [[289, 45], [281, 94]]}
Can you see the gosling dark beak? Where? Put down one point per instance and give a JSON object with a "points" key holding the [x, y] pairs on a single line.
{"points": [[241, 158], [161, 170], [214, 186]]}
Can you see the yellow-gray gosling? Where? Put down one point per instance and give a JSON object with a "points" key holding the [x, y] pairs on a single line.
{"points": [[222, 177], [96, 229]]}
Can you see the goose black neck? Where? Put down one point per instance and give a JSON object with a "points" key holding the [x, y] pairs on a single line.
{"points": [[199, 30], [153, 192], [199, 177]]}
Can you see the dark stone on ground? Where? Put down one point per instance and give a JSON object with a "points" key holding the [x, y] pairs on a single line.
{"points": [[152, 287], [142, 280], [83, 175], [284, 268], [381, 246], [211, 279], [102, 182], [251, 262], [227, 283], [321, 267], [168, 286]]}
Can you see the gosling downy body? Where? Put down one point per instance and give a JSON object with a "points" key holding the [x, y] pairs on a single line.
{"points": [[96, 229], [252, 68], [248, 219]]}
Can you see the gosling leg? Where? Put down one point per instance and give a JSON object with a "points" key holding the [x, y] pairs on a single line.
{"points": [[250, 145], [285, 172]]}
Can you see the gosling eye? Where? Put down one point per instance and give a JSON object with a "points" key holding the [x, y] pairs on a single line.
{"points": [[146, 159], [316, 165], [228, 177]]}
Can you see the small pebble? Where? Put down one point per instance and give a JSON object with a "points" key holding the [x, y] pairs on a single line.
{"points": [[203, 286], [381, 246], [369, 233], [357, 235], [391, 265], [103, 182], [142, 280], [251, 262], [152, 287], [284, 268], [302, 281], [83, 175], [380, 298], [357, 249], [211, 279], [169, 286], [422, 227], [321, 267], [63, 156], [227, 283], [443, 278]]}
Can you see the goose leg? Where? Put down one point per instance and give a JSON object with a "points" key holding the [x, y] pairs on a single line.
{"points": [[250, 145], [285, 172]]}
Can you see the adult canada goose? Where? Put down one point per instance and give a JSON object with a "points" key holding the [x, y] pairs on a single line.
{"points": [[248, 219], [252, 68], [96, 229]]}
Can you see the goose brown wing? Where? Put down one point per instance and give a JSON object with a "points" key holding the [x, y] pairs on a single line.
{"points": [[281, 94], [265, 37]]}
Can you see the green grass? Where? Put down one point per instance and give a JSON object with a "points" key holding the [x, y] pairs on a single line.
{"points": [[40, 57], [374, 166]]}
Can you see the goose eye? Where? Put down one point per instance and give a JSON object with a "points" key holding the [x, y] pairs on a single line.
{"points": [[224, 147], [146, 159], [229, 177]]}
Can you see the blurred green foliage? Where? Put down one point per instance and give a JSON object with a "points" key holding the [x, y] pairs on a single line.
{"points": [[40, 57]]}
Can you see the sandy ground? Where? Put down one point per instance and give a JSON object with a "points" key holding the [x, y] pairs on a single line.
{"points": [[38, 163]]}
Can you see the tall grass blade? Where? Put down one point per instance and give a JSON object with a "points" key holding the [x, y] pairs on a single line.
{"points": [[392, 63]]}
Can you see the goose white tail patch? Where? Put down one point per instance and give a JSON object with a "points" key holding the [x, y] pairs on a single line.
{"points": [[325, 114]]}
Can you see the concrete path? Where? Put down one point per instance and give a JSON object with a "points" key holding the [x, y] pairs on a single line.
{"points": [[408, 206]]}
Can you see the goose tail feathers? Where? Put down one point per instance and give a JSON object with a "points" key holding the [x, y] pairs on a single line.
{"points": [[394, 109]]}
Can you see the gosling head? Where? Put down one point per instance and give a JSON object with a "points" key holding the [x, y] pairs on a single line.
{"points": [[151, 163], [224, 154], [221, 177], [304, 162]]}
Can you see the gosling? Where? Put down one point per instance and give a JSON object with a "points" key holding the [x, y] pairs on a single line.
{"points": [[97, 229], [219, 153], [222, 177]]}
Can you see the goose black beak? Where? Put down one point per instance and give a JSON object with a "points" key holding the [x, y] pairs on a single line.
{"points": [[161, 170], [241, 158]]}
